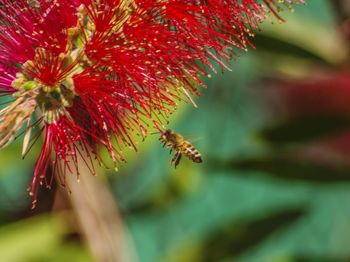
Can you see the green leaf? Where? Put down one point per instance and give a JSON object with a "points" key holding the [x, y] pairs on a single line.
{"points": [[164, 195], [238, 237], [288, 168], [30, 239], [302, 130], [319, 259], [279, 46]]}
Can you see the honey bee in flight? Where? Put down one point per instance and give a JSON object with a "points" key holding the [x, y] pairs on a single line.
{"points": [[176, 142]]}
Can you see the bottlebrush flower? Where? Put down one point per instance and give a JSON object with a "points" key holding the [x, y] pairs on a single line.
{"points": [[89, 72]]}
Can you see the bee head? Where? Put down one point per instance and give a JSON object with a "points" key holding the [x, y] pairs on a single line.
{"points": [[168, 133]]}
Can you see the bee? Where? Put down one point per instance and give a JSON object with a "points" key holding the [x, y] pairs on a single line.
{"points": [[176, 142]]}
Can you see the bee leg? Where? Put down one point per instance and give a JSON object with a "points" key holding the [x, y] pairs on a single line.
{"points": [[173, 159], [176, 159]]}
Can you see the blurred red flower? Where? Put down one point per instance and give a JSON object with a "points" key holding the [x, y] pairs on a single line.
{"points": [[322, 95]]}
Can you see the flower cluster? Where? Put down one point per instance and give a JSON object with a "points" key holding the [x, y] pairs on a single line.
{"points": [[94, 72]]}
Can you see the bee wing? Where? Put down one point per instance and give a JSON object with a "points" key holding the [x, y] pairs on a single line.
{"points": [[192, 138]]}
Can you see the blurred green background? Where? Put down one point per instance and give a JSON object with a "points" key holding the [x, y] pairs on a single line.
{"points": [[274, 184]]}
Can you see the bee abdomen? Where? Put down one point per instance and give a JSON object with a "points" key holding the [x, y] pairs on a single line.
{"points": [[192, 153], [197, 158]]}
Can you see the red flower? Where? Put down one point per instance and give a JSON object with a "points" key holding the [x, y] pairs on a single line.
{"points": [[322, 96], [91, 71], [321, 93]]}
